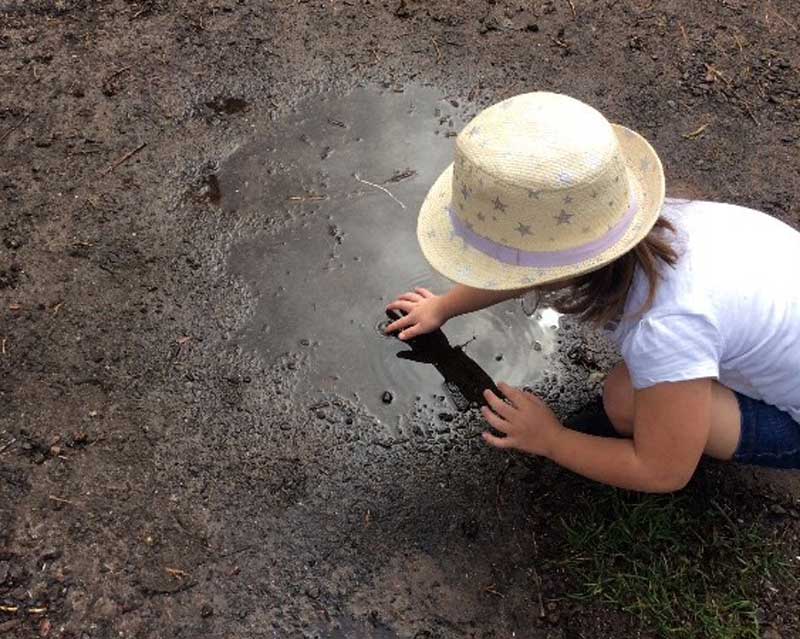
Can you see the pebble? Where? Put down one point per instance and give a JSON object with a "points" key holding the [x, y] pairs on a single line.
{"points": [[387, 397]]}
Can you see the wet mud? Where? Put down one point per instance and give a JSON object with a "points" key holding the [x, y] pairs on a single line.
{"points": [[338, 187]]}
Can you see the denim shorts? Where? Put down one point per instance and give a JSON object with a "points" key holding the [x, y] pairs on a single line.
{"points": [[770, 436]]}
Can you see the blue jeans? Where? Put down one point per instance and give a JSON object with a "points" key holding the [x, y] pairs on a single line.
{"points": [[770, 437]]}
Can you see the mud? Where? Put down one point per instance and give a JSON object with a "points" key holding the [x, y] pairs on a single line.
{"points": [[171, 468]]}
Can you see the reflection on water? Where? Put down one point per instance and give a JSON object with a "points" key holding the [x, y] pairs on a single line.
{"points": [[336, 248]]}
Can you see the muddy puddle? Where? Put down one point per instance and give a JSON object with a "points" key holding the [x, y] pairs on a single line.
{"points": [[338, 187]]}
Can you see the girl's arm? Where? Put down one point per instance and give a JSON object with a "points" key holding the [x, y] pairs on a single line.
{"points": [[671, 427], [426, 312]]}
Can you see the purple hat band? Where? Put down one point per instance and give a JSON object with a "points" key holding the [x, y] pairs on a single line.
{"points": [[545, 259]]}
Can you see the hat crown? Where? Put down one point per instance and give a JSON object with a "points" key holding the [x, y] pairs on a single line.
{"points": [[540, 172]]}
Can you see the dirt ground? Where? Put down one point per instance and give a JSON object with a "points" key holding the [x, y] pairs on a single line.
{"points": [[156, 479]]}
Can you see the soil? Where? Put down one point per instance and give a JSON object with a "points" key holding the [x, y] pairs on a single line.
{"points": [[166, 473]]}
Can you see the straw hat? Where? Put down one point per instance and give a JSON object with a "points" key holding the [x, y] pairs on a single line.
{"points": [[543, 188]]}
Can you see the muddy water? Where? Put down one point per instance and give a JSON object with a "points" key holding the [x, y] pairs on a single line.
{"points": [[335, 248]]}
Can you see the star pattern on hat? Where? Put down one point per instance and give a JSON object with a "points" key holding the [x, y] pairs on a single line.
{"points": [[465, 191], [564, 217], [481, 216], [594, 195], [465, 270], [498, 205], [533, 195], [523, 229], [431, 234], [564, 177], [568, 199]]}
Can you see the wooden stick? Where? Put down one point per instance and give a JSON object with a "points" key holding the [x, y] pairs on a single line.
{"points": [[125, 158]]}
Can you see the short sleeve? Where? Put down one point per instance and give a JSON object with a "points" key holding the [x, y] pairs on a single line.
{"points": [[672, 348]]}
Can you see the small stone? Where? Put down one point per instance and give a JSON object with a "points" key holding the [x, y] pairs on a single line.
{"points": [[498, 358], [537, 346], [206, 610], [387, 397], [446, 417]]}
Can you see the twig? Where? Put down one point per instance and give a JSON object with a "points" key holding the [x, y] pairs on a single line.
{"points": [[712, 70], [3, 449], [311, 197], [438, 51], [572, 8], [399, 177], [378, 186], [15, 127], [750, 111], [697, 132], [115, 74], [683, 32], [125, 158], [61, 501], [785, 21], [493, 591], [177, 573]]}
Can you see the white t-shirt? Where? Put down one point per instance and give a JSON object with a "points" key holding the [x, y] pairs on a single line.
{"points": [[729, 310]]}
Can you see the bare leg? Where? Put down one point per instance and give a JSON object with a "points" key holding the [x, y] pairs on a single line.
{"points": [[618, 401]]}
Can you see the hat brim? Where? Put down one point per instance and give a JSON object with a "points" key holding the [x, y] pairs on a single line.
{"points": [[452, 257]]}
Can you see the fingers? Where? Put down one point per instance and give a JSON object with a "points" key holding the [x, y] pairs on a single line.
{"points": [[495, 421], [497, 442], [514, 395], [415, 330], [400, 305], [411, 297], [424, 292], [498, 405], [400, 324]]}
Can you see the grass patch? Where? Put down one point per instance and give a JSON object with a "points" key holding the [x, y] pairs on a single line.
{"points": [[685, 569]]}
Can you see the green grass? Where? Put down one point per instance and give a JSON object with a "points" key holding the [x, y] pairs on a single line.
{"points": [[684, 569]]}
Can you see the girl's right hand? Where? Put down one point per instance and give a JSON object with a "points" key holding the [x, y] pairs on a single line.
{"points": [[424, 313]]}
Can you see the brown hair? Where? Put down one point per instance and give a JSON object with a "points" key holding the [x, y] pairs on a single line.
{"points": [[599, 296]]}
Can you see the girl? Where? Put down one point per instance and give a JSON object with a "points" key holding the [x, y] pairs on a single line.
{"points": [[703, 299]]}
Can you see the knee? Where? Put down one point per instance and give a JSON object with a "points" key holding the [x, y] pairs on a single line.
{"points": [[618, 399]]}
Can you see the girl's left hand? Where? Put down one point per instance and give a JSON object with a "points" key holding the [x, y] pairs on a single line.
{"points": [[528, 423]]}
